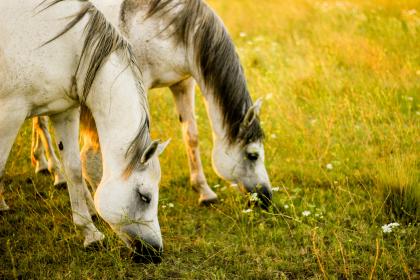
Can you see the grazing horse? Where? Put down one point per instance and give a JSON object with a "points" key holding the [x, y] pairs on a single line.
{"points": [[56, 56], [178, 42]]}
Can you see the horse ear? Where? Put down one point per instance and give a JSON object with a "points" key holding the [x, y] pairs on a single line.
{"points": [[162, 146], [149, 152], [252, 113]]}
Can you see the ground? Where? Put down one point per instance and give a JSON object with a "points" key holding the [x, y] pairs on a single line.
{"points": [[341, 83]]}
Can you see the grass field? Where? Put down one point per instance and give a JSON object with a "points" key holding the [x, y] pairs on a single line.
{"points": [[341, 82]]}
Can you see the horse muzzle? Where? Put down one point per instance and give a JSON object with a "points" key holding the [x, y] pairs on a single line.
{"points": [[144, 252], [264, 194]]}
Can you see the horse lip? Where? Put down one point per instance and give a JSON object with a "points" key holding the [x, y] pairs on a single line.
{"points": [[144, 252], [264, 194]]}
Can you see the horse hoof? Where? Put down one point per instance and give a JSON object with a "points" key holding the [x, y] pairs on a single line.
{"points": [[4, 207], [94, 241], [94, 246], [61, 186], [207, 201], [59, 181], [43, 172]]}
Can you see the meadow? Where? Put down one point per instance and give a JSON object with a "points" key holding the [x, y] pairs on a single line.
{"points": [[341, 113]]}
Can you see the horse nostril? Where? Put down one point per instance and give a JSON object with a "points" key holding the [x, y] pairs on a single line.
{"points": [[265, 195], [146, 253]]}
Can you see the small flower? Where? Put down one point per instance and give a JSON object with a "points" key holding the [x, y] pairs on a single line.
{"points": [[163, 206], [274, 136], [408, 98], [269, 96], [286, 206], [329, 166], [389, 227], [242, 34], [216, 186], [171, 205], [306, 213], [254, 197], [247, 211], [275, 189], [234, 186], [412, 12]]}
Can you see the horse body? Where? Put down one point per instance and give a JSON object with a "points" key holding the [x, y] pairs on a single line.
{"points": [[178, 42], [47, 75]]}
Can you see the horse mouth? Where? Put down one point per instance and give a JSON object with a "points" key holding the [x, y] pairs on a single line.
{"points": [[145, 253], [264, 194]]}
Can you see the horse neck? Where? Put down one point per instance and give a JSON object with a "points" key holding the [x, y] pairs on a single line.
{"points": [[214, 112], [119, 111]]}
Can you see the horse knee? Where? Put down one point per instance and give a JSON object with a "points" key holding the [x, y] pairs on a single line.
{"points": [[74, 173]]}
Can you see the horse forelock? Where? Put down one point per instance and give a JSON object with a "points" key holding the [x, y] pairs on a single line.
{"points": [[101, 39], [202, 32]]}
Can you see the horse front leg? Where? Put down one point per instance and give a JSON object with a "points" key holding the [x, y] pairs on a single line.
{"points": [[67, 133], [37, 149], [184, 95], [54, 165]]}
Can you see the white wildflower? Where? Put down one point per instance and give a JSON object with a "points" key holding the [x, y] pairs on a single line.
{"points": [[269, 96], [247, 211], [254, 197], [234, 186], [306, 213], [275, 189], [163, 206], [286, 206], [389, 227], [329, 166], [408, 98], [171, 205], [411, 12], [242, 34], [274, 136]]}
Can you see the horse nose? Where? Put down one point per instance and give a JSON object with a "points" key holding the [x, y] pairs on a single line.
{"points": [[264, 195], [146, 252]]}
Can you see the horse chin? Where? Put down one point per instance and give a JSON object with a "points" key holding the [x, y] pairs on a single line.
{"points": [[145, 252], [142, 250]]}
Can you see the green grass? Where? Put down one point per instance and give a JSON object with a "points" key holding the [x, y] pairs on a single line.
{"points": [[342, 83]]}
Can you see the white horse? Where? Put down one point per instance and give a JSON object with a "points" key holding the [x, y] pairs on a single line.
{"points": [[177, 42], [87, 63]]}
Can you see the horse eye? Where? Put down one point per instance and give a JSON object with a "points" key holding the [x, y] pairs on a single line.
{"points": [[252, 156], [144, 198]]}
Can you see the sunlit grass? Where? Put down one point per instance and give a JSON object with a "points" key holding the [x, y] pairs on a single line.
{"points": [[341, 83]]}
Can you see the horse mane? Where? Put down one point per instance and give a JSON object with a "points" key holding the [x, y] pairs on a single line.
{"points": [[101, 39], [199, 28]]}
